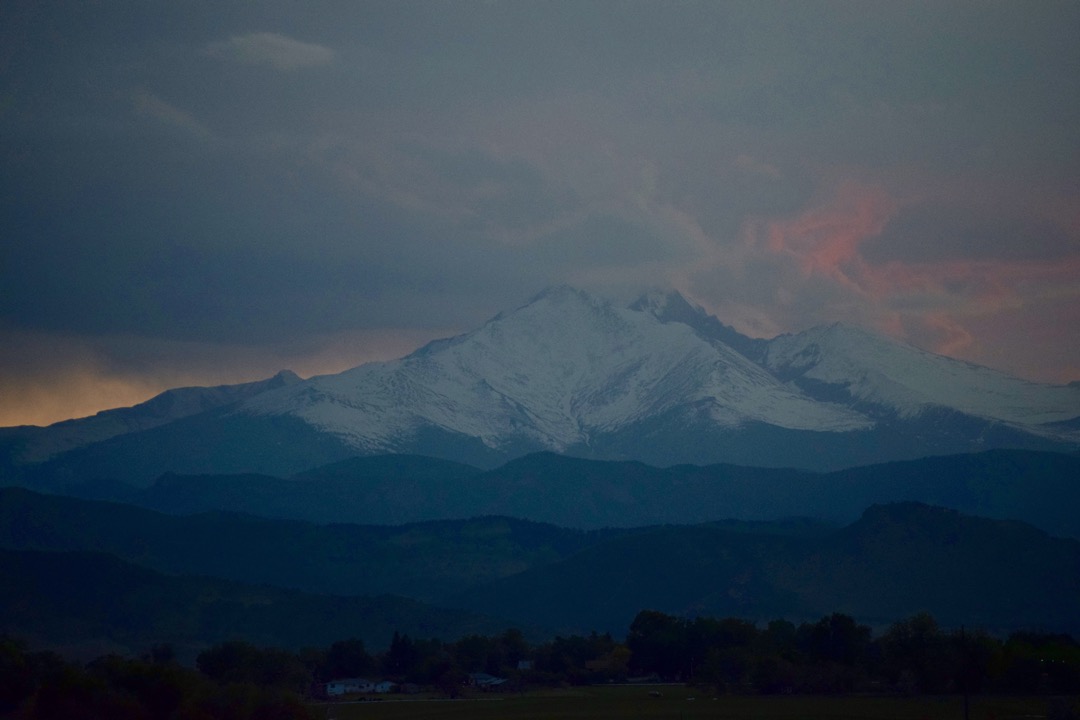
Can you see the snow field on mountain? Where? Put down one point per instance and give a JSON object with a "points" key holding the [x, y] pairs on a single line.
{"points": [[567, 367], [555, 371], [908, 380]]}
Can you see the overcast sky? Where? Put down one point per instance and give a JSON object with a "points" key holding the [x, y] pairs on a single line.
{"points": [[207, 192]]}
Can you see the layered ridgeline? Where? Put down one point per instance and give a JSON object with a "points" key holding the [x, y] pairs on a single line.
{"points": [[1037, 487], [659, 381], [892, 562]]}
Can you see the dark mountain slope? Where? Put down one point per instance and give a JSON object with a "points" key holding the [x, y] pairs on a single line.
{"points": [[87, 600], [425, 561], [1038, 488], [895, 561], [29, 444], [680, 570], [384, 489], [215, 441], [900, 559]]}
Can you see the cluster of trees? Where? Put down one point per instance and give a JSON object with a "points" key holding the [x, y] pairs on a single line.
{"points": [[43, 686], [837, 654], [446, 666], [832, 655], [237, 680]]}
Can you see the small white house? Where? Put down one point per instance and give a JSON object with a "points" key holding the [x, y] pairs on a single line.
{"points": [[384, 686], [344, 686], [483, 680]]}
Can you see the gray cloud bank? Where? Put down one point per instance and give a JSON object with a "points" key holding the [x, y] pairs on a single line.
{"points": [[204, 185]]}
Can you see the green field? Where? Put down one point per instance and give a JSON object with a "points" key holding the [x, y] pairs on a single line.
{"points": [[682, 703]]}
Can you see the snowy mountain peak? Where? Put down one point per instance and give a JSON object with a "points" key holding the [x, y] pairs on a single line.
{"points": [[570, 370], [792, 355], [555, 373], [901, 378], [560, 294], [286, 377], [660, 381], [667, 306], [673, 307]]}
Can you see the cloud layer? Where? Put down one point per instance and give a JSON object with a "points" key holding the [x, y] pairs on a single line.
{"points": [[272, 49], [326, 184]]}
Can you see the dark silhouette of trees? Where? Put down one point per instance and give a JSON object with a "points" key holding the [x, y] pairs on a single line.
{"points": [[578, 659], [42, 686], [915, 655], [241, 662], [1041, 662], [347, 658], [727, 655], [658, 644], [402, 657]]}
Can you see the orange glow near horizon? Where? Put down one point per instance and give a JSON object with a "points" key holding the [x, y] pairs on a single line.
{"points": [[80, 384]]}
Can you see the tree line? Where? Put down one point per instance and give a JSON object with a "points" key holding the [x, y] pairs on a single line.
{"points": [[835, 654], [43, 686]]}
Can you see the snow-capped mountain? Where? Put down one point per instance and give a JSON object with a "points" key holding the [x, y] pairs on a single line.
{"points": [[555, 373], [658, 381], [884, 376], [572, 373]]}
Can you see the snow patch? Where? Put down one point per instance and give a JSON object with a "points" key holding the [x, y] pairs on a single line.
{"points": [[907, 380]]}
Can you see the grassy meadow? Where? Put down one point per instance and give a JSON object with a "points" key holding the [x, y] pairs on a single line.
{"points": [[682, 703]]}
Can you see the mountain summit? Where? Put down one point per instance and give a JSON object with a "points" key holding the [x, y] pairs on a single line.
{"points": [[663, 381], [563, 372], [659, 381]]}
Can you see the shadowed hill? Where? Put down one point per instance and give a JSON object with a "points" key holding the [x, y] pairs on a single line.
{"points": [[897, 560], [1038, 488], [424, 560], [87, 600]]}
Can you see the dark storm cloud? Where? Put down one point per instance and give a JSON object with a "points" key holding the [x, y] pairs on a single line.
{"points": [[251, 254], [271, 179]]}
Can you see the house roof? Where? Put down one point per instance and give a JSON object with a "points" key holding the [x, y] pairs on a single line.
{"points": [[485, 679], [349, 681]]}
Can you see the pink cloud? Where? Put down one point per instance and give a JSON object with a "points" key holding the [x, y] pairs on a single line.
{"points": [[948, 306], [825, 240]]}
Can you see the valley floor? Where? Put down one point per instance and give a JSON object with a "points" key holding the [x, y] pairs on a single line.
{"points": [[684, 703]]}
